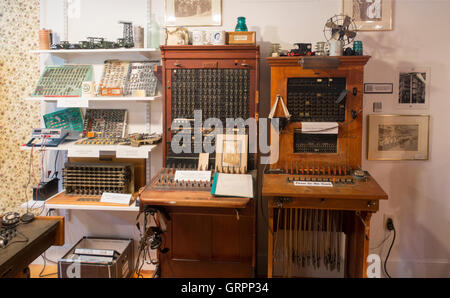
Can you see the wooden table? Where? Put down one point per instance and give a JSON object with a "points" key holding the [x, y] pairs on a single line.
{"points": [[360, 200], [42, 233], [207, 236]]}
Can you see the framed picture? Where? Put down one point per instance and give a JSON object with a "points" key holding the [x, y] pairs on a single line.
{"points": [[378, 88], [193, 12], [413, 88], [398, 137], [231, 153], [369, 15]]}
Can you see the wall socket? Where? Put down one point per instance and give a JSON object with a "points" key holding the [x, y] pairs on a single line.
{"points": [[385, 218]]}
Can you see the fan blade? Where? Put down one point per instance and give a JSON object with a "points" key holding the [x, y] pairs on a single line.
{"points": [[347, 21], [350, 34], [332, 25], [335, 34]]}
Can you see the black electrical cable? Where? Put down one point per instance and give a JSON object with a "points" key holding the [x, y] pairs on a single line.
{"points": [[43, 268], [381, 243], [151, 238], [19, 241], [389, 252], [142, 246], [55, 173]]}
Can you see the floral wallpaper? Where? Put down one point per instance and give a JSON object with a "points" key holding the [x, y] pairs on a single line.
{"points": [[19, 72]]}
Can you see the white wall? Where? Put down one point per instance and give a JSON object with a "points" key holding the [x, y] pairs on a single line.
{"points": [[418, 190]]}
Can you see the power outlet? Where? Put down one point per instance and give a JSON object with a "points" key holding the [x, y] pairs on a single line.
{"points": [[385, 219]]}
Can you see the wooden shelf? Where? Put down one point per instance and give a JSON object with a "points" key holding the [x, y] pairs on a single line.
{"points": [[70, 202], [67, 54], [122, 151], [94, 99]]}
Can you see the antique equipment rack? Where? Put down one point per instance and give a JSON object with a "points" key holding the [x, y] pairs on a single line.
{"points": [[316, 191], [206, 236]]}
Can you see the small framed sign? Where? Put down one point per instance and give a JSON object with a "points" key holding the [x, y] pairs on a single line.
{"points": [[379, 88]]}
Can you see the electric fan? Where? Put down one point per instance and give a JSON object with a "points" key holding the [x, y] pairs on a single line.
{"points": [[340, 27]]}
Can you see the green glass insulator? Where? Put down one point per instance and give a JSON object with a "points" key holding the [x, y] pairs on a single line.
{"points": [[241, 26]]}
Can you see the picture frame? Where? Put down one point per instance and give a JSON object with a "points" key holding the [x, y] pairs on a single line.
{"points": [[398, 137], [413, 88], [190, 13], [369, 15], [378, 88], [231, 153]]}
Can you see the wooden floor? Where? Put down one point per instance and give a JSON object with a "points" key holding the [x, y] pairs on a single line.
{"points": [[51, 271]]}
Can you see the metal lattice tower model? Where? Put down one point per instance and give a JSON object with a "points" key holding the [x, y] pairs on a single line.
{"points": [[128, 33]]}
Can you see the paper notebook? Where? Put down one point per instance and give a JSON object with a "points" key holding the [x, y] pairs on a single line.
{"points": [[232, 185]]}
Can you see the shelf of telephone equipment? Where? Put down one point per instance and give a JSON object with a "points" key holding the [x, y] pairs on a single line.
{"points": [[146, 52], [71, 101], [122, 151], [85, 202]]}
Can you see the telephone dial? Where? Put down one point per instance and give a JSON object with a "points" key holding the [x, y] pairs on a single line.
{"points": [[10, 219]]}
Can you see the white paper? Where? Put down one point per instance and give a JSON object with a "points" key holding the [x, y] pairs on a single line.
{"points": [[320, 127], [236, 185], [131, 152], [72, 102], [313, 183], [83, 151], [193, 176], [118, 198], [94, 252]]}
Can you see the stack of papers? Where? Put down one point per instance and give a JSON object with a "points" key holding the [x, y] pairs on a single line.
{"points": [[232, 185]]}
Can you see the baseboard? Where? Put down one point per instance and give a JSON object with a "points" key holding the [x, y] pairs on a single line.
{"points": [[419, 268]]}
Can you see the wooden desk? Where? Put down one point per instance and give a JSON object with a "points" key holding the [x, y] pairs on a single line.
{"points": [[358, 201], [207, 236], [42, 233]]}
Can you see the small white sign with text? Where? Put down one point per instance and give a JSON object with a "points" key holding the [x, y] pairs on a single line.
{"points": [[192, 175], [313, 183], [118, 198], [72, 102]]}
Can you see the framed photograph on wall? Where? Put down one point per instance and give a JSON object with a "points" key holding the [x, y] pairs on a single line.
{"points": [[369, 15], [413, 88], [193, 12], [398, 137]]}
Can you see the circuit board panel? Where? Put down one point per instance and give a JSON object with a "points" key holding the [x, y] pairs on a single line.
{"points": [[141, 76], [105, 123], [70, 119], [62, 80]]}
